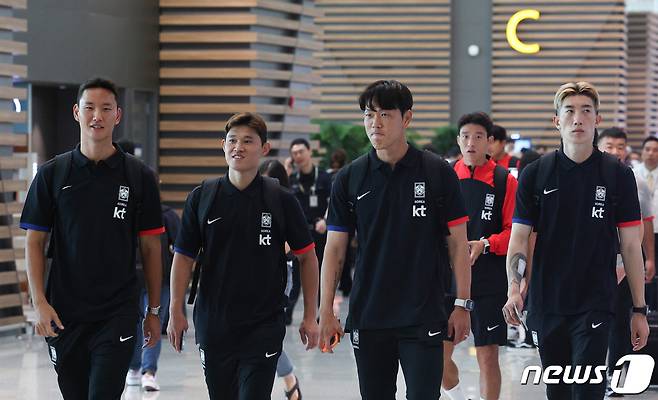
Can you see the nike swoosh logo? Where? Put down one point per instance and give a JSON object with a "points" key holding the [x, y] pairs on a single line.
{"points": [[431, 334], [268, 355], [594, 326], [489, 329], [210, 221], [363, 195], [66, 187], [123, 339], [549, 191]]}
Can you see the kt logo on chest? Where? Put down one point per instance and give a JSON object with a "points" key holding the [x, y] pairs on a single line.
{"points": [[121, 207], [599, 202], [418, 208], [265, 236], [488, 207]]}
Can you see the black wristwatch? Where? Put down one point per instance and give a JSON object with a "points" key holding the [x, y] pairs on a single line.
{"points": [[641, 310]]}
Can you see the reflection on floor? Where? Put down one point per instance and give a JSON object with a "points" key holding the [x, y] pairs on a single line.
{"points": [[26, 373]]}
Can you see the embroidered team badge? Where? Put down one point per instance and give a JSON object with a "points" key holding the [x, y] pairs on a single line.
{"points": [[489, 200], [266, 220], [419, 190], [124, 193], [355, 337], [600, 193]]}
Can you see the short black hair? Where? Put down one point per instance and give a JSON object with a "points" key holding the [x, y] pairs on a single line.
{"points": [[98, 82], [300, 141], [649, 139], [454, 151], [477, 118], [614, 133], [527, 157], [274, 169], [251, 120], [387, 95], [499, 133]]}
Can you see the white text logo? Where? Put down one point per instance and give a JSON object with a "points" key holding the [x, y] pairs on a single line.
{"points": [[419, 211], [264, 240], [486, 215], [119, 213], [597, 212]]}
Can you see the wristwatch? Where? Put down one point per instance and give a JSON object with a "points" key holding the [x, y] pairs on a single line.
{"points": [[486, 245], [153, 310], [466, 304], [641, 310]]}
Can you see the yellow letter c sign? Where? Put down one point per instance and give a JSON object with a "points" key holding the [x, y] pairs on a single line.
{"points": [[513, 39]]}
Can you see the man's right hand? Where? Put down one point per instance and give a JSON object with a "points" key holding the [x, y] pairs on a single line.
{"points": [[46, 315], [329, 327], [176, 328], [514, 299]]}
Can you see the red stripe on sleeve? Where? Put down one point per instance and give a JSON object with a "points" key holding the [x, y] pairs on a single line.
{"points": [[155, 231], [458, 221], [650, 218], [304, 250], [629, 223]]}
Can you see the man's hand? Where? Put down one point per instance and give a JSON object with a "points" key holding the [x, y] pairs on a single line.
{"points": [[329, 327], [459, 324], [649, 270], [514, 304], [639, 331], [475, 248], [152, 328], [309, 332], [321, 226], [176, 328], [46, 315]]}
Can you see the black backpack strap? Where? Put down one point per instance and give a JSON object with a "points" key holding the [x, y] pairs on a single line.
{"points": [[133, 170], [545, 169], [432, 165], [272, 192], [60, 176], [209, 190], [609, 166], [356, 175], [500, 189]]}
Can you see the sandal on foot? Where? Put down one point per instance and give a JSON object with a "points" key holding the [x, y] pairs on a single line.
{"points": [[291, 392]]}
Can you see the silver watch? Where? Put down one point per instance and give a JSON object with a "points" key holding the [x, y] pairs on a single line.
{"points": [[466, 304], [153, 310]]}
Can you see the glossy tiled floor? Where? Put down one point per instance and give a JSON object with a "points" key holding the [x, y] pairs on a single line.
{"points": [[26, 373]]}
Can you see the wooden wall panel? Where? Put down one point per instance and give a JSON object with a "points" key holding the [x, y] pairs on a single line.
{"points": [[579, 41], [220, 57], [642, 77], [11, 249], [368, 40]]}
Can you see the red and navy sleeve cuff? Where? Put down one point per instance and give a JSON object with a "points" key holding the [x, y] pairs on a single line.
{"points": [[649, 218], [458, 221], [184, 252], [629, 223], [304, 250], [522, 221], [156, 231], [33, 227]]}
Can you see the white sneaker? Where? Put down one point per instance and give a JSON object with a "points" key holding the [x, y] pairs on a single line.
{"points": [[149, 384], [134, 377]]}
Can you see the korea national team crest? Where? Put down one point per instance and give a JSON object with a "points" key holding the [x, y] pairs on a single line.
{"points": [[600, 193], [599, 202], [124, 193], [419, 190], [266, 220], [489, 200]]}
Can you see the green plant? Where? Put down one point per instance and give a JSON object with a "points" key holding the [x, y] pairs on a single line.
{"points": [[336, 135], [444, 138]]}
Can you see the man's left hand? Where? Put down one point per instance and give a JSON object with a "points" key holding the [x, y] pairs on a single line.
{"points": [[152, 329], [639, 331], [459, 324], [649, 270], [475, 248]]}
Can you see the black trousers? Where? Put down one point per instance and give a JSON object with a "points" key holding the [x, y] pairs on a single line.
{"points": [[619, 342], [91, 359], [378, 353], [241, 365], [572, 340]]}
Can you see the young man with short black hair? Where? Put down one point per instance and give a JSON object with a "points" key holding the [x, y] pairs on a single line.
{"points": [[406, 206], [242, 234], [97, 201], [613, 141], [584, 206], [497, 149], [489, 191]]}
